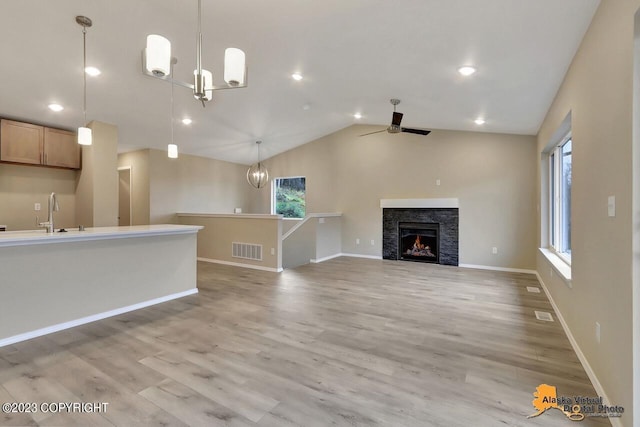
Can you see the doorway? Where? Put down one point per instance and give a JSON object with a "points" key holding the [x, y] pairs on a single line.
{"points": [[124, 196]]}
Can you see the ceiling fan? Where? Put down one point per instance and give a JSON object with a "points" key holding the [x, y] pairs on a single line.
{"points": [[395, 127]]}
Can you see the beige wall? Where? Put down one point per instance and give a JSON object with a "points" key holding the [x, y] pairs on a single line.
{"points": [[492, 175], [219, 232], [23, 186], [598, 92], [194, 184], [162, 186], [97, 189], [124, 197]]}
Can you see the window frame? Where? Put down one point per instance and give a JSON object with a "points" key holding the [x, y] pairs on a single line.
{"points": [[273, 195], [556, 197]]}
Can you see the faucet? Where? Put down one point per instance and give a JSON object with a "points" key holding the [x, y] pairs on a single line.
{"points": [[53, 206]]}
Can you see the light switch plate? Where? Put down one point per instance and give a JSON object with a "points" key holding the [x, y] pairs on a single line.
{"points": [[36, 207], [611, 205]]}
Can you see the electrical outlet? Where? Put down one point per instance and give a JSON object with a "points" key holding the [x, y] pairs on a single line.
{"points": [[598, 332], [494, 250], [357, 241], [437, 182], [36, 207], [273, 251], [321, 220], [372, 242]]}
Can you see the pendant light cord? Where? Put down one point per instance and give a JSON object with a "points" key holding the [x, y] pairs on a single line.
{"points": [[84, 73], [199, 40], [172, 102]]}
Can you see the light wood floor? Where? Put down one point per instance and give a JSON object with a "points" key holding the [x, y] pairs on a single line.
{"points": [[349, 342]]}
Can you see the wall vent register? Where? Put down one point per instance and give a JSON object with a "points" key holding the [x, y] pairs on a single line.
{"points": [[246, 251]]}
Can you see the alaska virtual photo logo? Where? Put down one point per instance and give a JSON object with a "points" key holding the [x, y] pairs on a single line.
{"points": [[576, 408]]}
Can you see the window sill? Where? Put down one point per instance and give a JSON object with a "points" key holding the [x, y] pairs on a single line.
{"points": [[559, 265], [293, 219]]}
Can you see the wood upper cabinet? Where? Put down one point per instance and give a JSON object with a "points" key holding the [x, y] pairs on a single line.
{"points": [[21, 142], [38, 145], [61, 149]]}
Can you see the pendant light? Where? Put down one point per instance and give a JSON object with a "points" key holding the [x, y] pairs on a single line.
{"points": [[84, 133], [257, 174], [172, 149], [156, 60]]}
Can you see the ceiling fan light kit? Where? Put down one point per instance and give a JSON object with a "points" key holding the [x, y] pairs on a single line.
{"points": [[157, 59], [396, 119]]}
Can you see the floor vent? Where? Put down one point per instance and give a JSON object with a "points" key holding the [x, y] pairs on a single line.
{"points": [[246, 251], [543, 315], [533, 289]]}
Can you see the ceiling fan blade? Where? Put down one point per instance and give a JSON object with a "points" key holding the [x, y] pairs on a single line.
{"points": [[371, 133], [416, 131], [397, 118]]}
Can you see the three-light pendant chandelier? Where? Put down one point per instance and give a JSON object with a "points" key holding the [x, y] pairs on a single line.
{"points": [[157, 63]]}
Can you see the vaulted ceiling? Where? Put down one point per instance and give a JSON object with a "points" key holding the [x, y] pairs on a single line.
{"points": [[354, 56]]}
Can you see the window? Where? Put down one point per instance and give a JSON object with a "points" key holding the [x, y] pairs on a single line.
{"points": [[560, 198], [288, 197]]}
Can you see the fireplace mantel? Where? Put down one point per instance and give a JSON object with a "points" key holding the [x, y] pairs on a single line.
{"points": [[419, 203]]}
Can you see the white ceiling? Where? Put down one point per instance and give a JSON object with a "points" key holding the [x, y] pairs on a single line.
{"points": [[354, 54]]}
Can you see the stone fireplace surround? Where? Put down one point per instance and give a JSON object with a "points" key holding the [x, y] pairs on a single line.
{"points": [[441, 211]]}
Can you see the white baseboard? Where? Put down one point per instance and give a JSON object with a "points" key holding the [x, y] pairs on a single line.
{"points": [[327, 258], [361, 256], [490, 267], [615, 421], [240, 264], [73, 323]]}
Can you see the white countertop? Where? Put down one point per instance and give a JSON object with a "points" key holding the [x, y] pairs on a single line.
{"points": [[226, 215], [37, 237]]}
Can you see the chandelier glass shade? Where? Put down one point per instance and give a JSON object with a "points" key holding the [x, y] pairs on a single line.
{"points": [[203, 85], [158, 55], [234, 67]]}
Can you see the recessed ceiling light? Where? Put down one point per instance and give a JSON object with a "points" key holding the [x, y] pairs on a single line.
{"points": [[56, 107], [187, 121], [92, 71], [306, 107], [467, 70], [479, 121], [296, 76], [357, 115]]}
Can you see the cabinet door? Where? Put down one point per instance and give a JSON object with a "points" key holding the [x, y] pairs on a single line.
{"points": [[21, 142], [61, 149]]}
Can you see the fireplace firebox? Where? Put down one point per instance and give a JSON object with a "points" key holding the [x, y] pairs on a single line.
{"points": [[418, 241], [445, 218]]}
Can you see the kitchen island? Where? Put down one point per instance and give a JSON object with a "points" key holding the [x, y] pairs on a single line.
{"points": [[50, 282]]}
